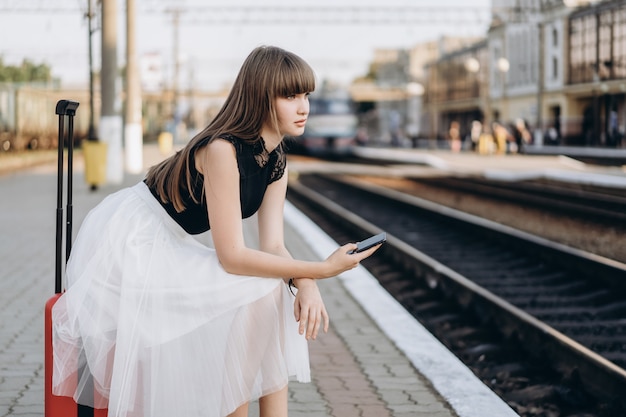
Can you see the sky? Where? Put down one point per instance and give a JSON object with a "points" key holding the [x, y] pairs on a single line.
{"points": [[337, 37]]}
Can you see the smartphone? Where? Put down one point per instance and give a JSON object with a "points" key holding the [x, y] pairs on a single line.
{"points": [[370, 242]]}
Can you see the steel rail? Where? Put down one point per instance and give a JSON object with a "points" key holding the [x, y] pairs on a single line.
{"points": [[599, 376]]}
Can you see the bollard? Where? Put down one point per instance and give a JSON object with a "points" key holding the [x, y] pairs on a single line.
{"points": [[95, 153], [166, 143], [486, 144]]}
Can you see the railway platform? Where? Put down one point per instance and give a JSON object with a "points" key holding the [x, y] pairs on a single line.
{"points": [[375, 361], [550, 164]]}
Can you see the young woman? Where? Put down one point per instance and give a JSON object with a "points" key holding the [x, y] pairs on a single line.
{"points": [[158, 324]]}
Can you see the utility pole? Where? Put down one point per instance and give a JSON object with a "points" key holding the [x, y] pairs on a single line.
{"points": [[540, 77], [110, 120], [94, 150], [91, 133], [175, 88], [133, 131]]}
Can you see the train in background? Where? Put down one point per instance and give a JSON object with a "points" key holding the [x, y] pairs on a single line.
{"points": [[331, 127], [27, 117], [28, 120]]}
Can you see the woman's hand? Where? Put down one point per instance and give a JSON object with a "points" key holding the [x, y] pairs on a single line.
{"points": [[309, 308], [341, 260]]}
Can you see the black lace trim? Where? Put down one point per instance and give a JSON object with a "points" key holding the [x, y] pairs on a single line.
{"points": [[261, 155], [279, 166]]}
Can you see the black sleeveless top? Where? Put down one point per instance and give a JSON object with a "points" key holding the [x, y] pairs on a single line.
{"points": [[257, 169]]}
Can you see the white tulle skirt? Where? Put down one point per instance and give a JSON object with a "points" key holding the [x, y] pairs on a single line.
{"points": [[151, 325]]}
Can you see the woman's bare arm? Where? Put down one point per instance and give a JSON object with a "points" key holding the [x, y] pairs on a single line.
{"points": [[217, 162]]}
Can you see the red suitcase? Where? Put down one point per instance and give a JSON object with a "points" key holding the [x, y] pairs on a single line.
{"points": [[55, 406]]}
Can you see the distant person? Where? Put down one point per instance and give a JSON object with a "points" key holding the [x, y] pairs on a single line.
{"points": [[394, 129], [475, 132], [552, 136], [486, 142], [162, 325], [361, 138], [502, 137], [588, 127], [454, 134], [614, 136], [521, 134]]}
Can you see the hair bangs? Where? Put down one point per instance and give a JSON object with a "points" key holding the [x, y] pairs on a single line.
{"points": [[294, 76]]}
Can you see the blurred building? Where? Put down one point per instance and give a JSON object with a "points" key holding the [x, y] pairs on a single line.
{"points": [[456, 90], [394, 92], [595, 84], [559, 65]]}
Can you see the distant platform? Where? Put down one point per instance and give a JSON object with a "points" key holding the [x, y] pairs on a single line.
{"points": [[604, 155]]}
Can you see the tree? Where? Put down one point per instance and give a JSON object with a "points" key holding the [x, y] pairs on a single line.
{"points": [[26, 72]]}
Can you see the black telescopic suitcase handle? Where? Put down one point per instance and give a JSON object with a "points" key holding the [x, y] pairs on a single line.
{"points": [[64, 108]]}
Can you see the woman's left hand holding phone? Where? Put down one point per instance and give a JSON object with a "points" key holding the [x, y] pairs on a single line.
{"points": [[342, 260], [309, 308]]}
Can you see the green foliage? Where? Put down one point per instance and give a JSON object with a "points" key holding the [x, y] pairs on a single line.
{"points": [[26, 72]]}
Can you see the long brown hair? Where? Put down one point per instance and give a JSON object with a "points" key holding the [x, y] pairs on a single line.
{"points": [[266, 74]]}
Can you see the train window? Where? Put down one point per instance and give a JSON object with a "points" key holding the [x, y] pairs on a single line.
{"points": [[339, 107], [319, 106]]}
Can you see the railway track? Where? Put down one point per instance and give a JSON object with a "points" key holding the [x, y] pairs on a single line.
{"points": [[544, 325], [592, 202]]}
